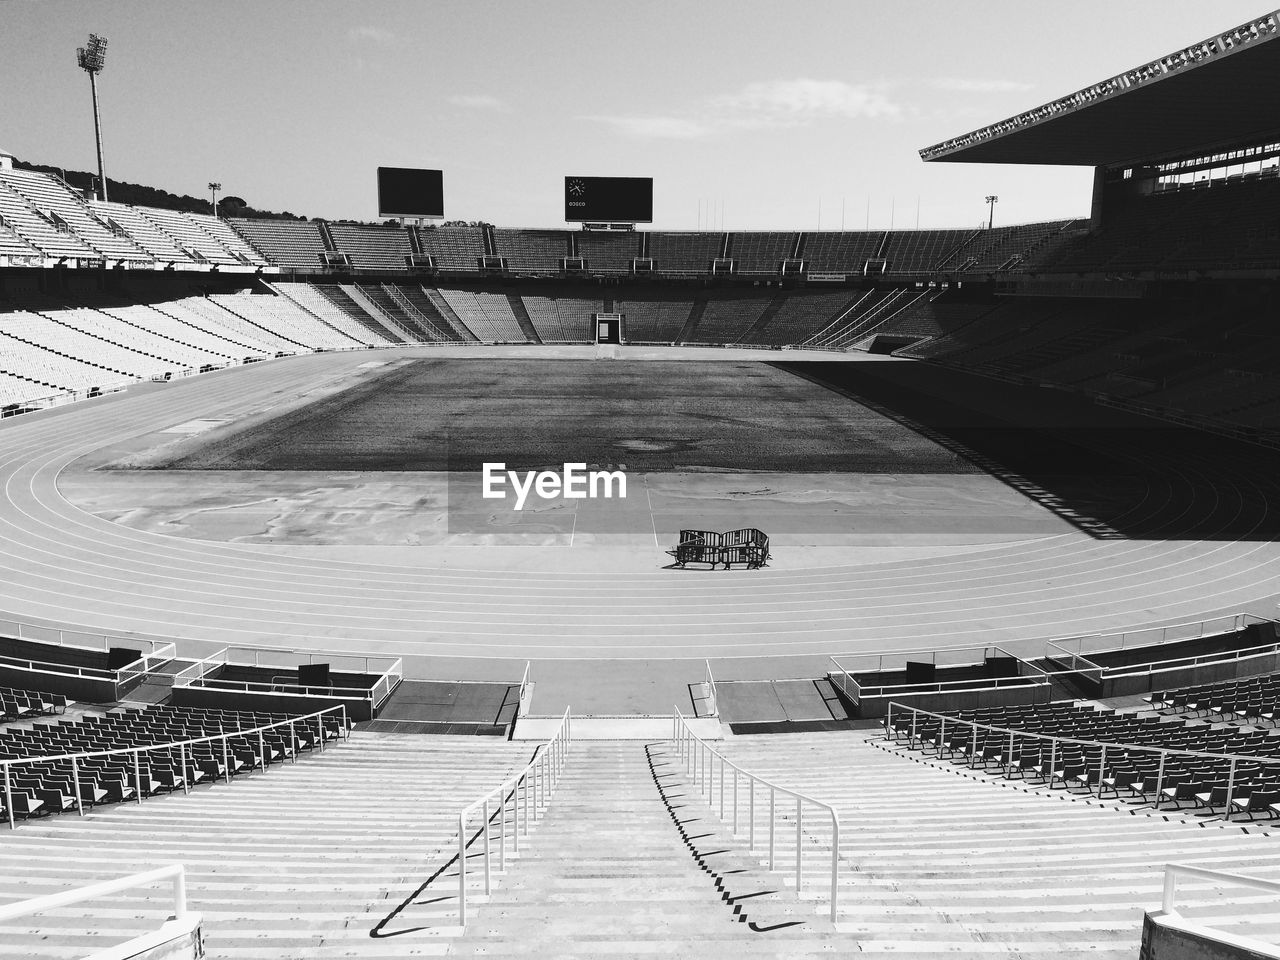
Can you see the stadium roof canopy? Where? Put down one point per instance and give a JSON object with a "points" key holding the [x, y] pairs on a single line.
{"points": [[1206, 98]]}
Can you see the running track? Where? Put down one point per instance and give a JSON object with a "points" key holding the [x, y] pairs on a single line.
{"points": [[62, 566]]}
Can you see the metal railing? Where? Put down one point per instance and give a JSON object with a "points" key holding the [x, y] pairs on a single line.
{"points": [[539, 777], [844, 679], [184, 748], [390, 672], [700, 762], [1117, 749], [1172, 871], [175, 873]]}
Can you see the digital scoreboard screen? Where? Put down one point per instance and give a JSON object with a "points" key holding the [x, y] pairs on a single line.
{"points": [[608, 199], [410, 192]]}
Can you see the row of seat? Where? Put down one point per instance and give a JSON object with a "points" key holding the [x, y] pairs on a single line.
{"points": [[1255, 700], [138, 753], [1147, 759], [20, 704]]}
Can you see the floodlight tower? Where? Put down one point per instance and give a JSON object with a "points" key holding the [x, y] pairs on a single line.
{"points": [[91, 59], [214, 188], [991, 210]]}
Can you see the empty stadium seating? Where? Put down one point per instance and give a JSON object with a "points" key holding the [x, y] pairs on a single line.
{"points": [[129, 754], [52, 198], [295, 244], [372, 248], [453, 248], [487, 315], [532, 251], [684, 253]]}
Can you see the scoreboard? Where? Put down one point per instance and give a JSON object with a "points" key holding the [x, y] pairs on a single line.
{"points": [[608, 199], [410, 192]]}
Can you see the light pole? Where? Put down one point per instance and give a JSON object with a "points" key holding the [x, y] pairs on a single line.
{"points": [[991, 210], [92, 59], [214, 188]]}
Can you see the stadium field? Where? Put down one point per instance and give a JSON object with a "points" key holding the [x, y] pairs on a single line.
{"points": [[457, 414]]}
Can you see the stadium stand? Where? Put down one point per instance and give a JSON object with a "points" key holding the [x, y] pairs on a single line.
{"points": [[653, 320], [684, 253], [220, 231], [537, 252], [761, 253], [154, 319], [408, 320], [373, 248], [802, 315], [295, 244], [162, 247], [200, 313], [286, 320], [912, 252], [607, 252], [453, 248], [430, 309], [12, 245], [190, 236], [724, 320], [845, 253], [318, 305], [53, 199], [347, 295], [565, 319], [112, 330], [958, 861], [52, 238], [487, 316]]}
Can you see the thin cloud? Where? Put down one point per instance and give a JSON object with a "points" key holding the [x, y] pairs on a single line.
{"points": [[654, 128], [761, 105], [371, 34], [478, 101], [979, 85]]}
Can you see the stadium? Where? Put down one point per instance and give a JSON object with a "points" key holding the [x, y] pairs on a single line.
{"points": [[388, 585]]}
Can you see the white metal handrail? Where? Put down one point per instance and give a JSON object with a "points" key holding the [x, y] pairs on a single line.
{"points": [[1172, 871], [183, 747], [699, 761], [1234, 759], [540, 775], [174, 872]]}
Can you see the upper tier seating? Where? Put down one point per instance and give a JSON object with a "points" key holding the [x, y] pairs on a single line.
{"points": [[12, 245], [454, 248], [50, 196], [372, 248], [145, 234], [762, 253], [17, 214], [684, 252], [532, 251], [923, 251], [840, 252], [608, 252], [218, 228], [296, 244], [190, 235]]}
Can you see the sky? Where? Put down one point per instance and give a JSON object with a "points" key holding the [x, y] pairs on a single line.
{"points": [[749, 115]]}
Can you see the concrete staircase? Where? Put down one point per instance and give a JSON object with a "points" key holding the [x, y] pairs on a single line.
{"points": [[305, 860], [940, 860], [629, 862]]}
